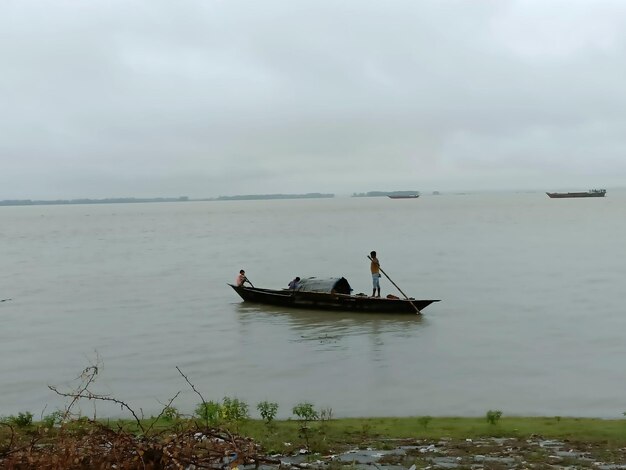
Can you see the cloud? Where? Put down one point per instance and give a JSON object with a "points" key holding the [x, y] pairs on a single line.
{"points": [[213, 97]]}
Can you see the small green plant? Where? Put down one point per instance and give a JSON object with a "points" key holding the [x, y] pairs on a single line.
{"points": [[268, 411], [22, 420], [234, 410], [56, 417], [211, 412], [305, 413], [170, 413], [424, 421], [493, 416]]}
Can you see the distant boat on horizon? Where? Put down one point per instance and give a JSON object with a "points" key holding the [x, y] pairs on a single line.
{"points": [[590, 193], [403, 196]]}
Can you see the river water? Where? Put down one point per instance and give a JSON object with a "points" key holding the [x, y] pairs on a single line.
{"points": [[531, 320]]}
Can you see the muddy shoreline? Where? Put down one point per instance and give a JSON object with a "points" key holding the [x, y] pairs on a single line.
{"points": [[94, 445]]}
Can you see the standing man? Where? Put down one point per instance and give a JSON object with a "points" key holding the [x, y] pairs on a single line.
{"points": [[375, 269]]}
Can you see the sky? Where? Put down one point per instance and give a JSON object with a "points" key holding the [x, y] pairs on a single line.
{"points": [[202, 98]]}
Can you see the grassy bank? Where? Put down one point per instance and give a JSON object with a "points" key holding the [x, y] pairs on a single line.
{"points": [[346, 432], [379, 431], [175, 442]]}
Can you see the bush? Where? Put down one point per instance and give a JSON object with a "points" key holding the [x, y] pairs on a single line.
{"points": [[493, 416], [53, 418], [234, 410], [22, 420], [211, 412], [305, 412], [268, 411], [170, 413]]}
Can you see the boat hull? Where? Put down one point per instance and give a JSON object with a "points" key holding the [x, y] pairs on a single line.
{"points": [[333, 302], [412, 196], [568, 195]]}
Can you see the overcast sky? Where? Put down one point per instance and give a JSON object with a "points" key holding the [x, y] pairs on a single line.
{"points": [[132, 98]]}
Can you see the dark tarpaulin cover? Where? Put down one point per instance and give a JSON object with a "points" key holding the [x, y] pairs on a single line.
{"points": [[313, 284]]}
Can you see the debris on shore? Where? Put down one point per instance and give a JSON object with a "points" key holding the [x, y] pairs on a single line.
{"points": [[93, 445]]}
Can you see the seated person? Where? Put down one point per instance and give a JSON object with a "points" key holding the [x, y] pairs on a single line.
{"points": [[293, 285], [241, 278]]}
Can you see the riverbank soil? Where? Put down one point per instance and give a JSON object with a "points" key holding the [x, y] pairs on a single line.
{"points": [[333, 444]]}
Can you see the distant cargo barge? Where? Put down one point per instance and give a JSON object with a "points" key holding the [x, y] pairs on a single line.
{"points": [[590, 193]]}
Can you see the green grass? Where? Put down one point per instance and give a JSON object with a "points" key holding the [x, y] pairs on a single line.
{"points": [[374, 431], [339, 434], [357, 429]]}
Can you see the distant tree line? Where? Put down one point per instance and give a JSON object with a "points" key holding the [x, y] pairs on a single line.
{"points": [[115, 200]]}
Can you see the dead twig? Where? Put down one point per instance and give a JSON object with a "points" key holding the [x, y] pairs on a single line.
{"points": [[204, 403], [163, 411], [90, 374], [88, 395]]}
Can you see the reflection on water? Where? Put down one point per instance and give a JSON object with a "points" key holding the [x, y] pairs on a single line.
{"points": [[302, 320], [329, 331]]}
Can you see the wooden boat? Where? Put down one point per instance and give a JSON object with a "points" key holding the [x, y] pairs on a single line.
{"points": [[590, 193], [329, 294]]}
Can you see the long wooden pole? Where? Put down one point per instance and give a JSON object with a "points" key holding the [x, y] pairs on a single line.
{"points": [[405, 296]]}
